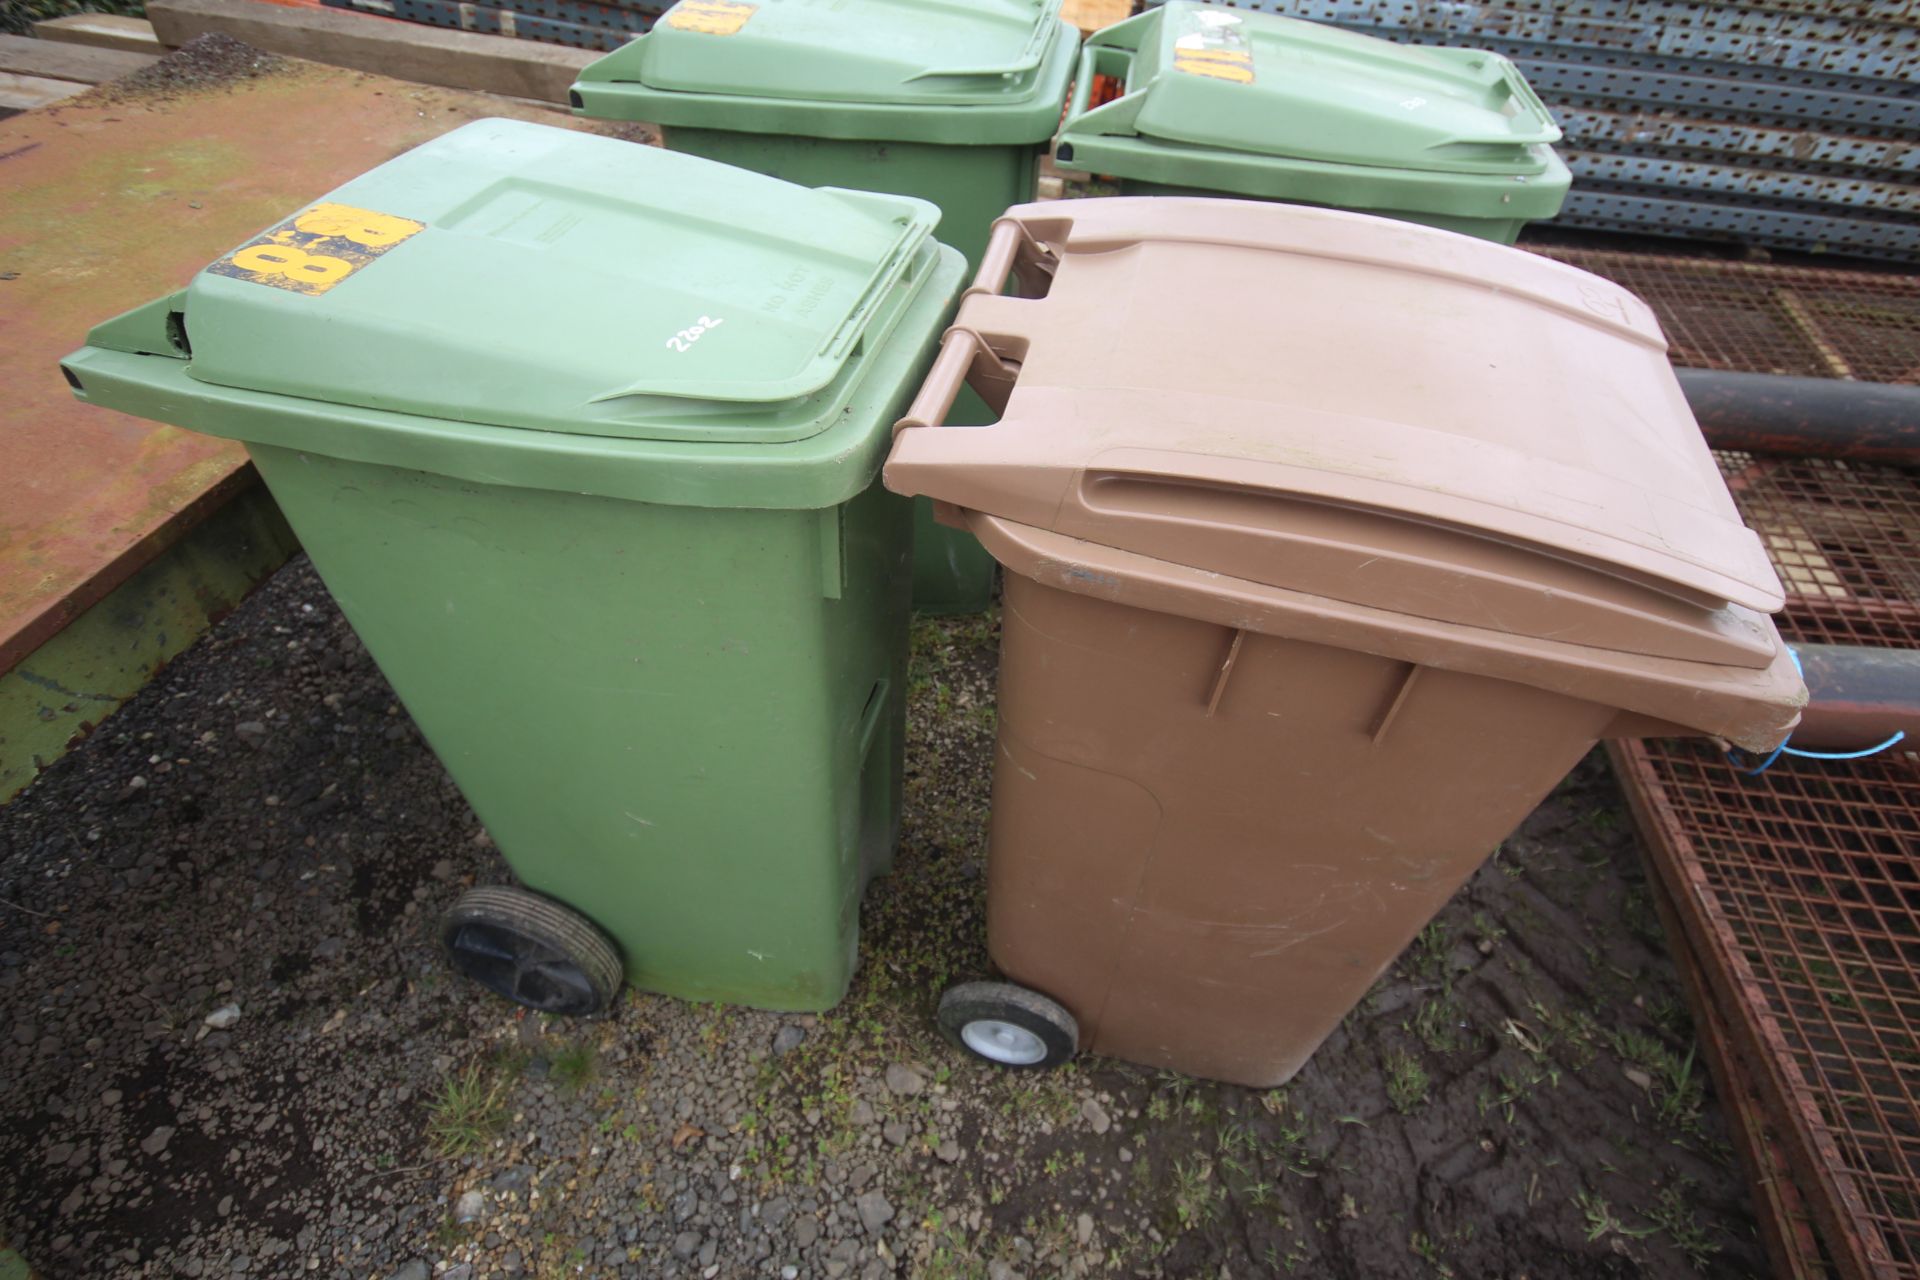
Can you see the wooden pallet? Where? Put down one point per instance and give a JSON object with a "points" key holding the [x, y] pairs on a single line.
{"points": [[37, 72], [361, 42]]}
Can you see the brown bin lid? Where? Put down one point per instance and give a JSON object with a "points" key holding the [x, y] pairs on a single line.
{"points": [[1364, 410]]}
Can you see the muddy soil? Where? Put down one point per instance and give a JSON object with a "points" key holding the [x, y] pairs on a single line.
{"points": [[229, 1047]]}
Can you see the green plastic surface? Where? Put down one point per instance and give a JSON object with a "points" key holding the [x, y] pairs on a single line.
{"points": [[538, 296], [979, 74], [1230, 102], [971, 185], [668, 674]]}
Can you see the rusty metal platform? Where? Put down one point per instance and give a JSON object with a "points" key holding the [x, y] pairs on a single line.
{"points": [[1754, 317], [1797, 891], [1786, 1224], [115, 197]]}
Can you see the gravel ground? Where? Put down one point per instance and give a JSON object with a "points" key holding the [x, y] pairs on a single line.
{"points": [[231, 1049]]}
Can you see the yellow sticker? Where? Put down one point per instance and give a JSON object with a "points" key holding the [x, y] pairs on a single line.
{"points": [[710, 17], [316, 250], [1219, 64]]}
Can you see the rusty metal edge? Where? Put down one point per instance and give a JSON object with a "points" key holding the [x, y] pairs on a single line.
{"points": [[1784, 1231], [1840, 1214], [54, 618]]}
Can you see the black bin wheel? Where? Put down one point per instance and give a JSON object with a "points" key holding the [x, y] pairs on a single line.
{"points": [[532, 950], [1008, 1026]]}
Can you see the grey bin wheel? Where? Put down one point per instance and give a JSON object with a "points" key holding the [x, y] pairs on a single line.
{"points": [[1008, 1026], [532, 950]]}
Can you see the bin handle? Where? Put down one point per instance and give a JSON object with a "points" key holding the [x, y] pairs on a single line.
{"points": [[1046, 29], [1093, 58], [960, 349], [1012, 253], [1547, 129], [996, 264]]}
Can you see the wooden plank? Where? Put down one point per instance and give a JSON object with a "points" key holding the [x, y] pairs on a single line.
{"points": [[403, 50], [101, 31], [23, 93], [57, 61]]}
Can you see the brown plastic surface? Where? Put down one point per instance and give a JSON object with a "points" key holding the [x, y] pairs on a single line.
{"points": [[1332, 544], [1348, 386]]}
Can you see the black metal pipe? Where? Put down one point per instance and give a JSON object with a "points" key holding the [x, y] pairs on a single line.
{"points": [[1806, 417], [1858, 697]]}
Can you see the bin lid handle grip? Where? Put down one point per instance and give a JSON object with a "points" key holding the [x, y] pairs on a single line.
{"points": [[1046, 29], [959, 349]]}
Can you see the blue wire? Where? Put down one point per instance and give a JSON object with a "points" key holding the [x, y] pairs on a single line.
{"points": [[1784, 750], [1898, 735], [1733, 758]]}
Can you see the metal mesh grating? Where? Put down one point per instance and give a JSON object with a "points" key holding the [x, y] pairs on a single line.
{"points": [[1762, 318], [1786, 1228], [1845, 539], [1811, 876], [1800, 888]]}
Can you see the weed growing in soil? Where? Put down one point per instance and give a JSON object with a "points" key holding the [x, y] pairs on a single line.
{"points": [[1513, 1089], [1673, 1214], [1194, 1193], [1407, 1082], [574, 1067], [467, 1112], [1676, 1087], [1427, 1249], [1437, 1023], [1601, 1221]]}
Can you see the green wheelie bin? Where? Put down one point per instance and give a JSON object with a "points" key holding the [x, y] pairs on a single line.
{"points": [[1227, 102], [949, 103], [585, 440]]}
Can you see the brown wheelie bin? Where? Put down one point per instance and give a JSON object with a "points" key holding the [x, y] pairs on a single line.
{"points": [[1332, 544]]}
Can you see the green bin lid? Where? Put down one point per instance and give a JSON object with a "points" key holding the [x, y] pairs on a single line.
{"points": [[1221, 95], [986, 72], [522, 275]]}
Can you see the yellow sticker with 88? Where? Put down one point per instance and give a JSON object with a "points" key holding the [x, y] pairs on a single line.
{"points": [[315, 250]]}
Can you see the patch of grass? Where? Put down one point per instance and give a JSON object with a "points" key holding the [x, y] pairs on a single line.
{"points": [[467, 1112], [1427, 1249], [952, 1257], [1670, 1017], [1554, 1038], [1194, 1194], [1601, 1221], [1673, 1214], [1291, 1148], [1426, 959], [575, 1067], [1677, 1086], [1437, 1024], [1297, 1253], [1407, 1082], [1510, 1090], [1509, 866]]}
